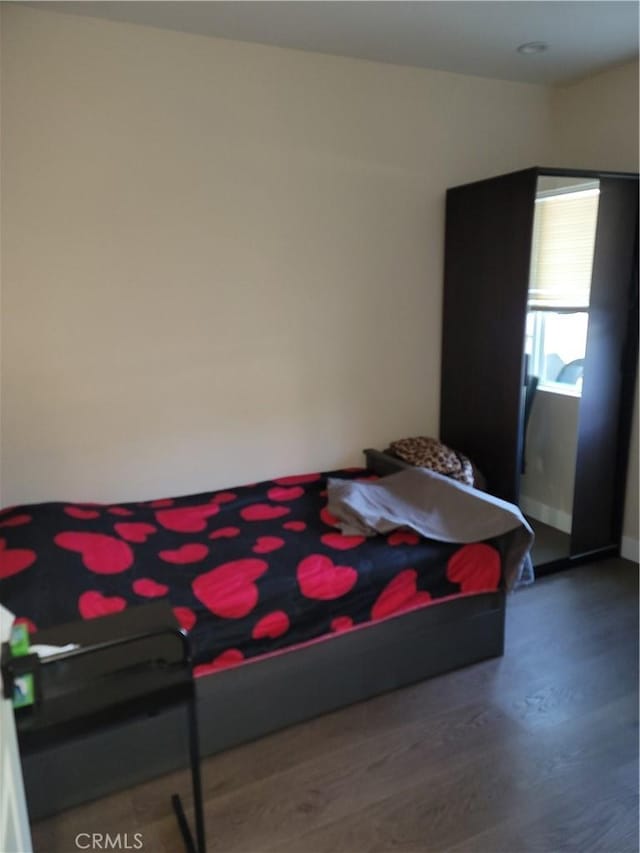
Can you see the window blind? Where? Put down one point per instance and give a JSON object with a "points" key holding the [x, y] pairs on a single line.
{"points": [[564, 233]]}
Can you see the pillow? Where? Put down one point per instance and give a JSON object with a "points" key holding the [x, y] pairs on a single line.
{"points": [[425, 452]]}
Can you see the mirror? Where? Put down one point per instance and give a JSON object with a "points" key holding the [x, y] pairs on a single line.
{"points": [[565, 219]]}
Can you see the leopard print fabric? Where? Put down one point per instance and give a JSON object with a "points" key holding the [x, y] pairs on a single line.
{"points": [[425, 452]]}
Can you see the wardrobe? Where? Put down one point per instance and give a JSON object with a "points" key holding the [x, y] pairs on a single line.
{"points": [[488, 315]]}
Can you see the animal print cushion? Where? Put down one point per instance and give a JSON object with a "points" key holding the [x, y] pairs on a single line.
{"points": [[430, 453]]}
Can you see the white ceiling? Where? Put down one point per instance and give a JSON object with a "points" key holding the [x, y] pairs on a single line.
{"points": [[477, 37]]}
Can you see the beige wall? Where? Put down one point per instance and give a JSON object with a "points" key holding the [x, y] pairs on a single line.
{"points": [[223, 261], [595, 121], [596, 127]]}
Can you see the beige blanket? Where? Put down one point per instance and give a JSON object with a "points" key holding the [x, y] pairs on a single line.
{"points": [[436, 507]]}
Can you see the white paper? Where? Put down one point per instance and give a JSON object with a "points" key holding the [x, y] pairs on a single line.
{"points": [[45, 651]]}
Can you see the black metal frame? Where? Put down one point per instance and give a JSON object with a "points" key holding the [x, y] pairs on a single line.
{"points": [[196, 784]]}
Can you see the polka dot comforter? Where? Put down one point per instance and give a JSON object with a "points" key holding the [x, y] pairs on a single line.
{"points": [[248, 571]]}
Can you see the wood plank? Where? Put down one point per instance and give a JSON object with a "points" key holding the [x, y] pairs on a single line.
{"points": [[475, 790]]}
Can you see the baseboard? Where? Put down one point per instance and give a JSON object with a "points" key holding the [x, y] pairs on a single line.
{"points": [[630, 549], [547, 514]]}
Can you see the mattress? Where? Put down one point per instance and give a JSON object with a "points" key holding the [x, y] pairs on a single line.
{"points": [[249, 571]]}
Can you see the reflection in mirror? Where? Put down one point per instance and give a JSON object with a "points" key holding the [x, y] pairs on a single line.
{"points": [[564, 231]]}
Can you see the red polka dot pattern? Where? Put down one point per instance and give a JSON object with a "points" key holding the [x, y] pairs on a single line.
{"points": [[246, 572], [102, 554], [298, 479], [328, 517], [320, 578], [341, 542], [267, 544], [186, 617], [149, 588], [341, 623], [230, 590], [224, 497], [272, 625], [191, 519], [14, 560], [81, 513], [225, 533], [232, 657], [282, 493], [263, 512], [400, 594], [403, 537], [16, 520], [135, 531], [194, 552], [93, 604], [476, 568]]}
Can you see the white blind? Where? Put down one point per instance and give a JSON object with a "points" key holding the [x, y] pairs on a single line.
{"points": [[564, 233]]}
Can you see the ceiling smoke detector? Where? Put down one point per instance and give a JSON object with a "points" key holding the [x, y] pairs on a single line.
{"points": [[533, 47]]}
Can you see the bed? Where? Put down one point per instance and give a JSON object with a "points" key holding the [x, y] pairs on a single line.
{"points": [[278, 602]]}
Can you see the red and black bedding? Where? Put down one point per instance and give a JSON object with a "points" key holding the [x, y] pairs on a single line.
{"points": [[249, 571]]}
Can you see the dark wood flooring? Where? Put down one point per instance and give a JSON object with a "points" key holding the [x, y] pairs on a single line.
{"points": [[535, 751]]}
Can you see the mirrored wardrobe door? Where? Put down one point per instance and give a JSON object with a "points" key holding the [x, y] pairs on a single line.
{"points": [[558, 305], [580, 333]]}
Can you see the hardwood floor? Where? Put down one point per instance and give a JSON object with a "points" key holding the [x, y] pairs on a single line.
{"points": [[535, 751]]}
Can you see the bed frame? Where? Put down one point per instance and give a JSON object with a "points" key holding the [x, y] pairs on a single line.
{"points": [[293, 687]]}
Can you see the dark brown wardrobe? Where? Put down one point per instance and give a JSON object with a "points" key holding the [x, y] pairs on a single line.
{"points": [[487, 315]]}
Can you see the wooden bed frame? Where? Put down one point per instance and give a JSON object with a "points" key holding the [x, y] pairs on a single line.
{"points": [[292, 687]]}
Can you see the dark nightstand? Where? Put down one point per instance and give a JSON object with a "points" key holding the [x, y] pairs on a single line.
{"points": [[133, 663]]}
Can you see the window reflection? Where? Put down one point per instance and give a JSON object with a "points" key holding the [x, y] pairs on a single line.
{"points": [[556, 345]]}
